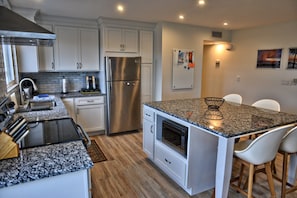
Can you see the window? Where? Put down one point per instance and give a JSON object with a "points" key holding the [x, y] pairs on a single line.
{"points": [[9, 58]]}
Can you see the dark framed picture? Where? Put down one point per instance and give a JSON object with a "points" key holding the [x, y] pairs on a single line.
{"points": [[270, 58], [292, 59]]}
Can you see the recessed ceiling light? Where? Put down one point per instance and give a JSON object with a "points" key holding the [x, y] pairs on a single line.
{"points": [[120, 8], [225, 23], [181, 17], [200, 2]]}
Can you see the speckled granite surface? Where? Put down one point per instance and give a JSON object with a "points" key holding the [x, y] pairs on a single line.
{"points": [[79, 94], [229, 120], [41, 162], [58, 111]]}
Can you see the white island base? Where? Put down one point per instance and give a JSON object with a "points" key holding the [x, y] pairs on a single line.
{"points": [[196, 172]]}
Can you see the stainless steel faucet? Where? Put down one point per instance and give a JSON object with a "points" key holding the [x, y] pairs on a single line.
{"points": [[21, 88]]}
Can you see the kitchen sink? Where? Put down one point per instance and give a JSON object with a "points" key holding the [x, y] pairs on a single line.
{"points": [[37, 106]]}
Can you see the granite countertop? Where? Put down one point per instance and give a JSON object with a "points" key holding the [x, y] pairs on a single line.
{"points": [[79, 94], [58, 111], [46, 161], [42, 162], [229, 120]]}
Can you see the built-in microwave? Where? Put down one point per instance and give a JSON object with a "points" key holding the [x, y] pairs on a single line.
{"points": [[175, 136]]}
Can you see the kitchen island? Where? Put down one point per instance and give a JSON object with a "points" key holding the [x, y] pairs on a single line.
{"points": [[210, 139]]}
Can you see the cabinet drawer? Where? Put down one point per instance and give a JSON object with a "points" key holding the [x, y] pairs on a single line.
{"points": [[89, 100], [148, 114], [171, 163]]}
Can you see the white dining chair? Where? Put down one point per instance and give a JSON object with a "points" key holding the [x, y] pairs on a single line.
{"points": [[267, 104], [236, 98], [287, 147], [259, 151]]}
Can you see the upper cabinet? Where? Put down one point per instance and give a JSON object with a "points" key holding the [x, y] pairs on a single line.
{"points": [[46, 55], [76, 49], [34, 59], [146, 46], [120, 40]]}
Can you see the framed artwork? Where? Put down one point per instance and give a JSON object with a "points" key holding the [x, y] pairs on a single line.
{"points": [[270, 58], [292, 59]]}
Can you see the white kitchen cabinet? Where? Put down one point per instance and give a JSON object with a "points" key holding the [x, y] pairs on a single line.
{"points": [[27, 57], [69, 104], [174, 165], [90, 113], [146, 53], [46, 54], [146, 46], [146, 82], [148, 133], [35, 59], [74, 185], [77, 49], [121, 40]]}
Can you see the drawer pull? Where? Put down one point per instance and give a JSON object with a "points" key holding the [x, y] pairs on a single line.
{"points": [[152, 129], [90, 101], [148, 115]]}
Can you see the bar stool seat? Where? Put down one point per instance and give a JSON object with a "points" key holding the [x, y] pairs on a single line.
{"points": [[287, 147], [258, 151]]}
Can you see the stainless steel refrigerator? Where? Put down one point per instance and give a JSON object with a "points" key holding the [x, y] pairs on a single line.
{"points": [[122, 93]]}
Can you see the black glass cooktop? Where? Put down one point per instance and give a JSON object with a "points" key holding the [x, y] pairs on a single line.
{"points": [[51, 132]]}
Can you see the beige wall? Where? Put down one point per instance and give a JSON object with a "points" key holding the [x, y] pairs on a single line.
{"points": [[170, 36], [240, 63]]}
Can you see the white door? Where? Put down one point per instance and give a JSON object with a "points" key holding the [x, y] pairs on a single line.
{"points": [[90, 117]]}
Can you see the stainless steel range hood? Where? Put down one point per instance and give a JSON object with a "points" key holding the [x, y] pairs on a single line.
{"points": [[17, 30]]}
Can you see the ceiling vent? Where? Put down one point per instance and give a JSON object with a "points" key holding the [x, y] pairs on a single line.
{"points": [[216, 34]]}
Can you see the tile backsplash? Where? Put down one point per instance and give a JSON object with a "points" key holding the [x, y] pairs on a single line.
{"points": [[51, 82]]}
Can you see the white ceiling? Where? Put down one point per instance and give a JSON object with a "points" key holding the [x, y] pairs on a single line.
{"points": [[239, 13]]}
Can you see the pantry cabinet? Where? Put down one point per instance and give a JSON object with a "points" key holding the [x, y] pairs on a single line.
{"points": [[121, 40], [76, 49], [146, 53]]}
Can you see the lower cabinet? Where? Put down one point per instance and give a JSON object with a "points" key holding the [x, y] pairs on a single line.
{"points": [[74, 185], [171, 163], [69, 104], [88, 112], [148, 133]]}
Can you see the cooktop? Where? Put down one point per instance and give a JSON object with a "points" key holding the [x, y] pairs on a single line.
{"points": [[47, 132]]}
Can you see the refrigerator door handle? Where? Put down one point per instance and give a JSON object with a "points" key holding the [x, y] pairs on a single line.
{"points": [[110, 70]]}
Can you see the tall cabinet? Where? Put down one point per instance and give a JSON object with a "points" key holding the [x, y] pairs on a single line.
{"points": [[129, 39], [146, 53]]}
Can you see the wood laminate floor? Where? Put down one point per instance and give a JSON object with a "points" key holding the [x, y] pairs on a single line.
{"points": [[128, 173]]}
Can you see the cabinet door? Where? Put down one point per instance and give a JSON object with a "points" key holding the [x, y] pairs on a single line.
{"points": [[27, 57], [90, 117], [130, 40], [146, 46], [89, 49], [146, 82], [148, 138], [69, 104], [113, 40], [46, 55], [67, 49]]}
